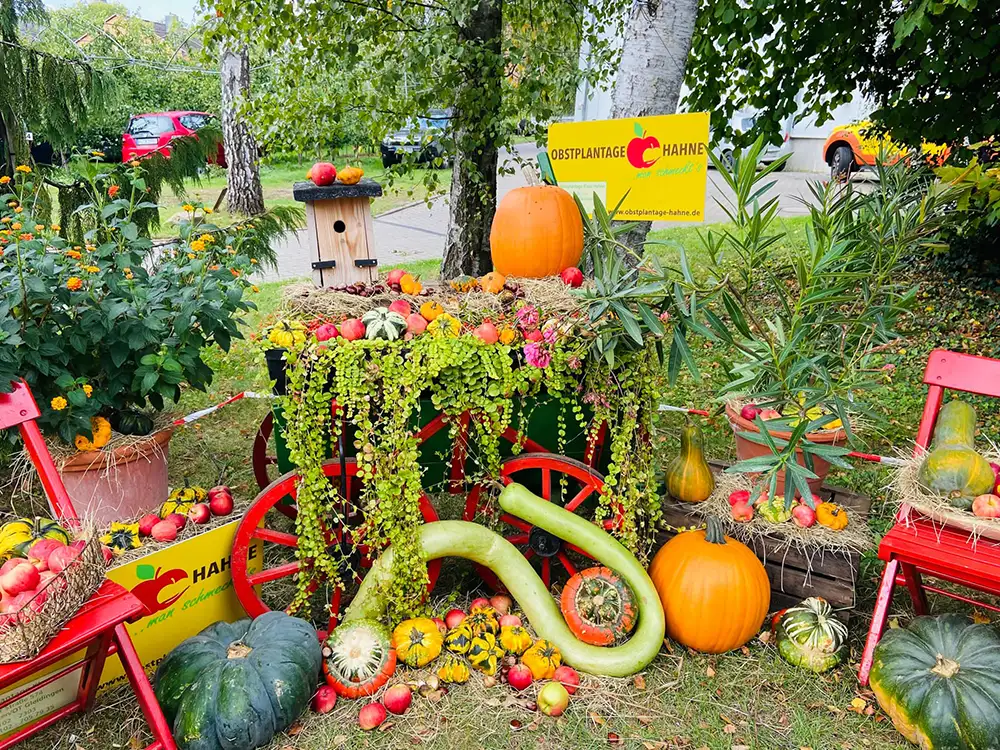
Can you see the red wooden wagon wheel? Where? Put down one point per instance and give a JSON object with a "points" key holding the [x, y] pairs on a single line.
{"points": [[266, 519], [264, 455], [566, 481]]}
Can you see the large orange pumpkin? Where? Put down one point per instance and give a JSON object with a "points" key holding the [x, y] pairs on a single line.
{"points": [[537, 231], [714, 591]]}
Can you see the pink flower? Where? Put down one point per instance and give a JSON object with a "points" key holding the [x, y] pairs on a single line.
{"points": [[527, 316], [549, 333], [889, 367], [574, 363], [537, 355]]}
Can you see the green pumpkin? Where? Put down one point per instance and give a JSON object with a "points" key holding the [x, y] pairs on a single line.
{"points": [[953, 468], [234, 686], [131, 422], [689, 477], [809, 636], [383, 323], [938, 679]]}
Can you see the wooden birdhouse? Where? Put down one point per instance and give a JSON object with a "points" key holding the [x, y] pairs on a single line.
{"points": [[341, 238]]}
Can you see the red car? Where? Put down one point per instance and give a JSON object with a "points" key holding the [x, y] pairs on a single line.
{"points": [[152, 132]]}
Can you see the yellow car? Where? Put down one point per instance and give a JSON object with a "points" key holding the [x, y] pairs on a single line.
{"points": [[853, 147]]}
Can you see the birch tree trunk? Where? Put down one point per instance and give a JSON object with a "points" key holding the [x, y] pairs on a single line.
{"points": [[244, 194], [654, 55], [473, 198]]}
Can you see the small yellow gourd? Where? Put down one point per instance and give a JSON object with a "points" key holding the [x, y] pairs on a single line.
{"points": [[492, 282], [689, 477], [484, 654], [417, 641], [832, 516], [409, 285], [515, 639], [543, 659], [350, 175], [458, 639], [453, 670]]}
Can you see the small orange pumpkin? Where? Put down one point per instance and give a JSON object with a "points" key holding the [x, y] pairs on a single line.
{"points": [[409, 285], [492, 282], [598, 606], [537, 231], [430, 310], [714, 591], [350, 175]]}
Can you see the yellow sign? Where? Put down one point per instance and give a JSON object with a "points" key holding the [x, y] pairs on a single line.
{"points": [[186, 587], [658, 164]]}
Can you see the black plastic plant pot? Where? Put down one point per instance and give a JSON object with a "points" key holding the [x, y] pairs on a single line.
{"points": [[275, 359]]}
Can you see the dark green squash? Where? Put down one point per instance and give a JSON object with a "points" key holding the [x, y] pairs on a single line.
{"points": [[234, 686], [953, 468], [131, 422], [939, 681]]}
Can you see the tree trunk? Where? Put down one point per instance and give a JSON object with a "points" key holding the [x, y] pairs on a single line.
{"points": [[473, 198], [245, 195], [654, 55]]}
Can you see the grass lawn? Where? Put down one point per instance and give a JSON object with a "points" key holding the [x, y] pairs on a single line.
{"points": [[745, 699]]}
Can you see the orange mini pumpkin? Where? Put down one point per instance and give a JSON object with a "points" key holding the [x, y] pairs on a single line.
{"points": [[409, 285], [598, 606], [350, 175], [537, 231], [714, 591], [431, 310], [492, 282]]}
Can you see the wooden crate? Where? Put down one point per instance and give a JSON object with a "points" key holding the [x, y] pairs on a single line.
{"points": [[795, 574]]}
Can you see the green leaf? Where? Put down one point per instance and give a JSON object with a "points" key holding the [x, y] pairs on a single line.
{"points": [[637, 129]]}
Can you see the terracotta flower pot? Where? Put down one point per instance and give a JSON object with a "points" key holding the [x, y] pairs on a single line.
{"points": [[748, 449], [122, 483]]}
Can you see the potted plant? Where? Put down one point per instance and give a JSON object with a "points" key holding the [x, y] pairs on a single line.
{"points": [[808, 322], [108, 327]]}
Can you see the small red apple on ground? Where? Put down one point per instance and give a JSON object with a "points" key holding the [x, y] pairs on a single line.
{"points": [[803, 516], [199, 513], [552, 699], [454, 618], [21, 578], [178, 520], [60, 559], [986, 506], [519, 677], [397, 699], [482, 601], [742, 512], [440, 623], [487, 332], [147, 522], [568, 678], [739, 496], [324, 700], [371, 716], [501, 603], [323, 173], [572, 276], [326, 332], [164, 531], [401, 306], [510, 621], [352, 329], [220, 501]]}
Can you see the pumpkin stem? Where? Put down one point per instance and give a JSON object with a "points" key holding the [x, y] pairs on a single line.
{"points": [[238, 650], [945, 667], [713, 531]]}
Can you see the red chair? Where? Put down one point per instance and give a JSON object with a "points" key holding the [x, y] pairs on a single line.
{"points": [[916, 546], [99, 626]]}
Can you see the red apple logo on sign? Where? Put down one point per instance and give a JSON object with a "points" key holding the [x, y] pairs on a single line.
{"points": [[637, 147], [153, 583]]}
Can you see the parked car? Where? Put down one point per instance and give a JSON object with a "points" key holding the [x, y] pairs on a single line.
{"points": [[423, 136], [153, 132], [746, 122], [850, 148]]}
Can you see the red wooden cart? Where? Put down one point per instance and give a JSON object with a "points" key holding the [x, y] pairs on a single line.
{"points": [[99, 626]]}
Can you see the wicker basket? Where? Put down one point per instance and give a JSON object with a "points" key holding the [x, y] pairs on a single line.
{"points": [[26, 631]]}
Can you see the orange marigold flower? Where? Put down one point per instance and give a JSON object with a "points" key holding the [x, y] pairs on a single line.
{"points": [[15, 226], [192, 256], [90, 248], [253, 261], [11, 204], [26, 236], [7, 219], [255, 288], [234, 272], [91, 269], [188, 207], [23, 168], [209, 210], [58, 403], [207, 238], [213, 268], [18, 210], [197, 246], [113, 191], [134, 163], [74, 283], [4, 180], [75, 255], [56, 227], [89, 390]]}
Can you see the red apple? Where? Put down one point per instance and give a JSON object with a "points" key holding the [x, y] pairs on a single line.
{"points": [[552, 699], [454, 618], [996, 487], [107, 553], [164, 531], [487, 332], [395, 275], [177, 519], [80, 544], [519, 677], [480, 602], [48, 578], [739, 496], [21, 578], [324, 700], [199, 513], [326, 332], [510, 621], [572, 276], [533, 337], [416, 323], [10, 565], [401, 306], [501, 603], [41, 549], [986, 506], [323, 173], [371, 716], [60, 559], [750, 412], [397, 699], [26, 603], [221, 504], [742, 512], [440, 623], [147, 522], [635, 152], [568, 678], [996, 469], [352, 329], [803, 516], [219, 489]]}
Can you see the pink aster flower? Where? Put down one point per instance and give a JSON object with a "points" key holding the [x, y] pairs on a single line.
{"points": [[527, 316], [537, 355], [549, 333]]}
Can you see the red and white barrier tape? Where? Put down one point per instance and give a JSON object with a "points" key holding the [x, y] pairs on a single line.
{"points": [[212, 409]]}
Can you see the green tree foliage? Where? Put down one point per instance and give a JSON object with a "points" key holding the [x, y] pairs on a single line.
{"points": [[930, 66]]}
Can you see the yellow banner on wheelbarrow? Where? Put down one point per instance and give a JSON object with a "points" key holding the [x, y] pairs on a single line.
{"points": [[186, 587], [657, 164]]}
